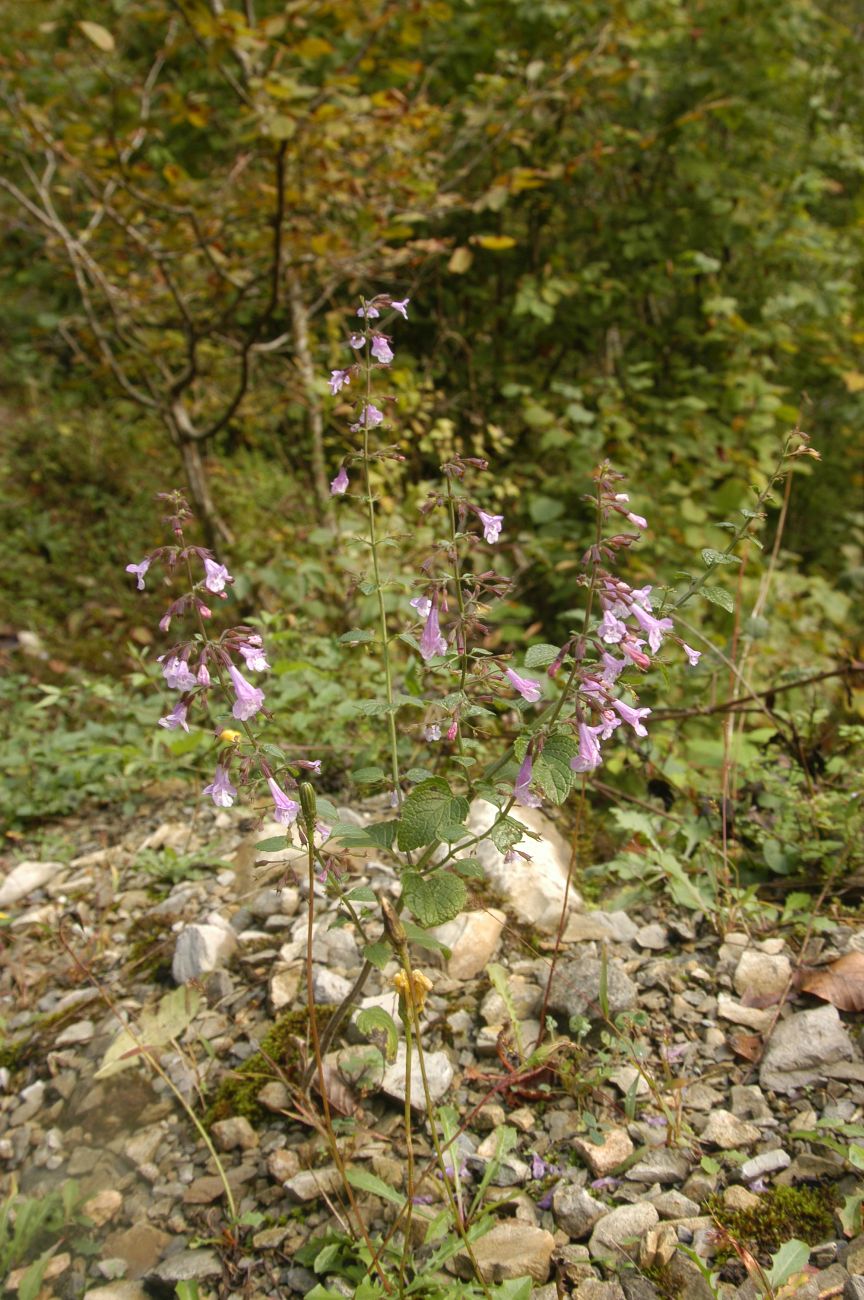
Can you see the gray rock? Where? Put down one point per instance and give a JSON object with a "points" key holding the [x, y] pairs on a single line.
{"points": [[654, 936], [661, 1166], [638, 1288], [25, 878], [311, 1184], [576, 988], [473, 939], [511, 1250], [283, 1165], [200, 949], [188, 1266], [675, 1205], [118, 1291], [619, 1232], [769, 1162], [748, 1102], [328, 986], [535, 889], [602, 1159], [761, 975], [853, 1288], [801, 1047], [439, 1072], [575, 1210], [284, 988], [726, 1131], [614, 926], [274, 902], [234, 1134], [79, 1032]]}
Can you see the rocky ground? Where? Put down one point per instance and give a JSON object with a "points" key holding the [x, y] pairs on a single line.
{"points": [[687, 1115]]}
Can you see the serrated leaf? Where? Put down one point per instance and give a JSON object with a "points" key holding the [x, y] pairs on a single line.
{"points": [[415, 775], [506, 833], [552, 770], [540, 656], [720, 596], [711, 557], [382, 834], [430, 808], [378, 954], [97, 35], [424, 940], [362, 894], [275, 844], [375, 1019], [364, 1181], [435, 898], [356, 636], [470, 868], [369, 775]]}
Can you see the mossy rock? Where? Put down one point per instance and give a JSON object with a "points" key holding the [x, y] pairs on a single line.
{"points": [[806, 1213], [278, 1055]]}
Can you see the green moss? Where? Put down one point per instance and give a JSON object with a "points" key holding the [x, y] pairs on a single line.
{"points": [[278, 1055], [782, 1213]]}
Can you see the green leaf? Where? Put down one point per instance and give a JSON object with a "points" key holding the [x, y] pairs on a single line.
{"points": [[372, 1019], [430, 813], [711, 557], [506, 833], [856, 1155], [470, 868], [552, 770], [791, 1258], [187, 1288], [356, 636], [362, 894], [435, 898], [364, 1181], [540, 656], [383, 834], [849, 1215], [156, 1029], [720, 596], [275, 844], [369, 775], [423, 939], [378, 953]]}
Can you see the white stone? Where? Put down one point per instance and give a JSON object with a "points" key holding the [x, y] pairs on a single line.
{"points": [[534, 890], [81, 1032], [619, 1232], [761, 974], [472, 939], [728, 1132], [27, 876], [801, 1047], [751, 1017], [327, 986], [200, 949], [284, 987], [439, 1072]]}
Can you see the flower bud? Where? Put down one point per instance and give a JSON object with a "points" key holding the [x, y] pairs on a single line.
{"points": [[308, 804]]}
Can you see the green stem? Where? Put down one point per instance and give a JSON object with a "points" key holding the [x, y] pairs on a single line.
{"points": [[460, 600]]}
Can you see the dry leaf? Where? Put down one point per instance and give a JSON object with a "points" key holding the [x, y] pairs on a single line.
{"points": [[747, 1045], [99, 35], [841, 983]]}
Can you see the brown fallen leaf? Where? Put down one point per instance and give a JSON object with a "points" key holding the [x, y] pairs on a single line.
{"points": [[747, 1045], [841, 983]]}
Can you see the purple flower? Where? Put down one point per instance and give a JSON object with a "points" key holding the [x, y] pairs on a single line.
{"points": [[338, 380], [491, 526], [632, 647], [286, 809], [432, 732], [693, 655], [453, 729], [381, 349], [611, 629], [357, 341], [249, 699], [202, 676], [217, 575], [636, 520], [221, 790], [608, 723], [401, 307], [253, 655], [371, 313], [432, 642], [612, 667], [422, 604], [370, 417], [631, 716], [339, 485], [525, 796], [177, 675], [139, 570], [309, 764], [655, 627], [589, 756], [176, 718], [527, 688]]}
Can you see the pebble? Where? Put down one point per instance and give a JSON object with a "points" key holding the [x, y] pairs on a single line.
{"points": [[603, 1158], [310, 1185], [234, 1134], [575, 1210], [728, 1132], [473, 940], [800, 1048], [25, 878], [619, 1232], [200, 949], [769, 1162], [439, 1073], [660, 1166], [188, 1266], [759, 974], [575, 988], [510, 1250]]}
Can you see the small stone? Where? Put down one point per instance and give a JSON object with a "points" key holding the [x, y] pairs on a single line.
{"points": [[56, 1267], [738, 1198], [489, 1117], [768, 1162], [284, 988], [751, 1017], [624, 1079], [748, 1102], [853, 1288], [575, 988], [200, 949], [535, 889], [141, 1246], [526, 999], [102, 1207], [726, 1131], [472, 939], [575, 1210], [511, 1250], [274, 1096], [660, 1166], [328, 986], [619, 1232], [274, 902], [270, 1238], [204, 1190], [80, 1032], [601, 1160], [674, 1205], [188, 1266], [657, 1246], [283, 1164], [654, 936], [25, 878], [761, 975], [218, 986], [118, 1291], [312, 1184], [439, 1073], [234, 1134], [800, 1048]]}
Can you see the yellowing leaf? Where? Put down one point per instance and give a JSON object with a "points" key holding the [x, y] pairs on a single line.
{"points": [[460, 261], [495, 243], [313, 47], [98, 35], [854, 381]]}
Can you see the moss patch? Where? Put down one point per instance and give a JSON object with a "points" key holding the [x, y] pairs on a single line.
{"points": [[783, 1213], [279, 1054]]}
